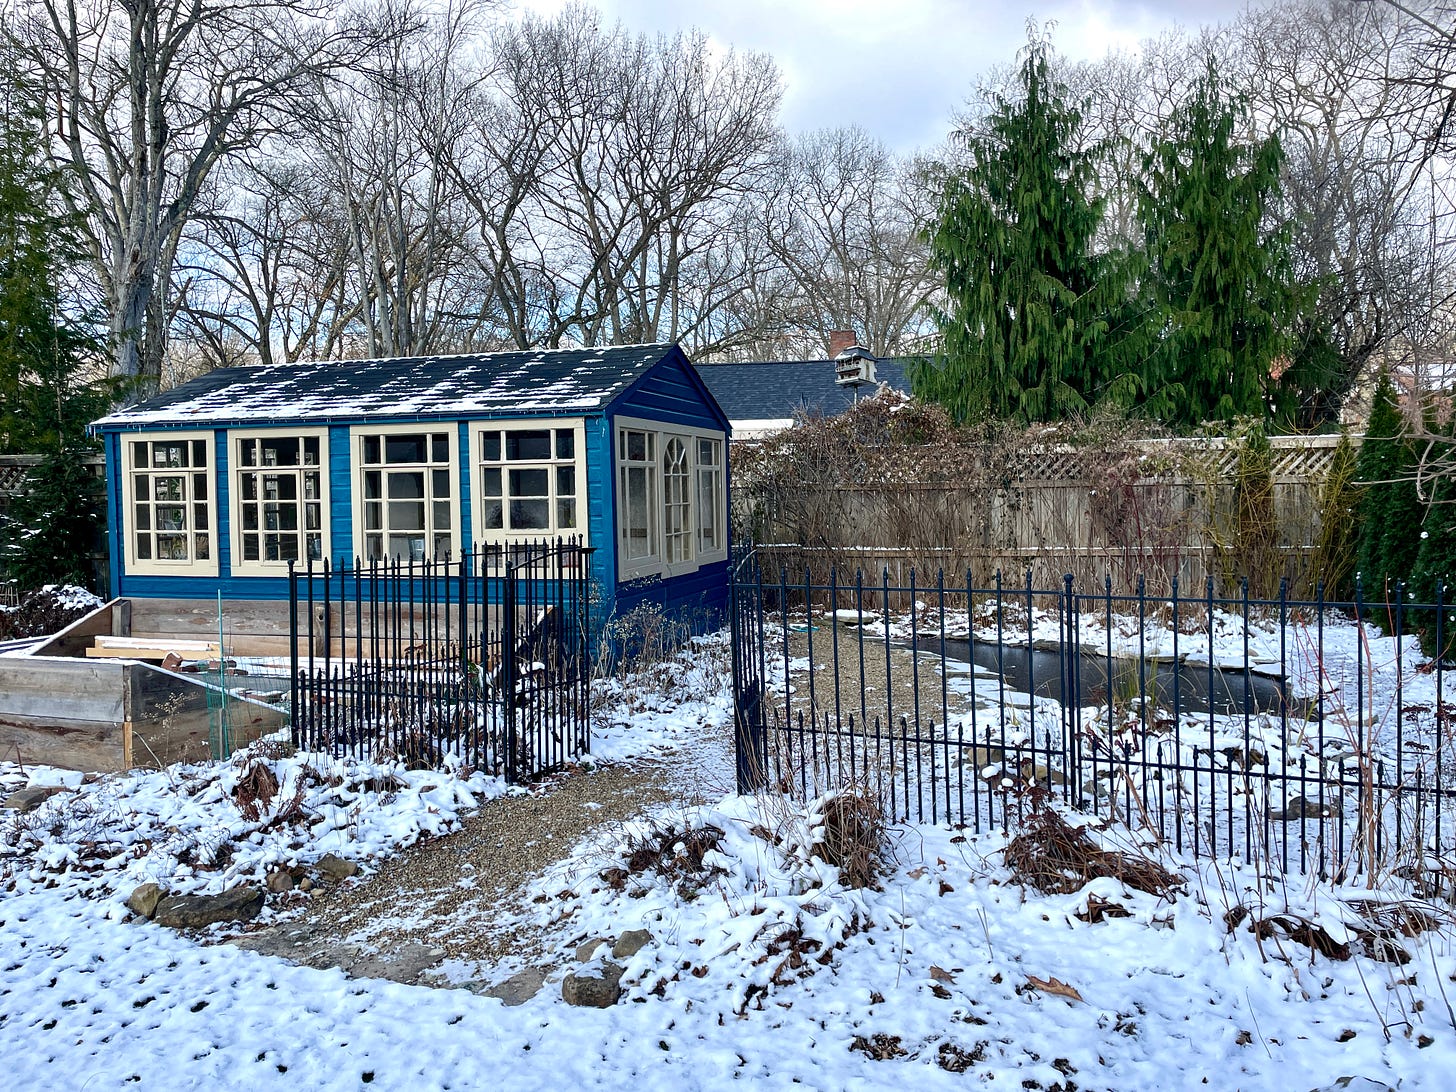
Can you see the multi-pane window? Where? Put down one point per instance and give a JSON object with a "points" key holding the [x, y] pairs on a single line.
{"points": [[170, 502], [670, 499], [529, 482], [710, 496], [406, 495], [280, 499], [636, 484], [677, 507]]}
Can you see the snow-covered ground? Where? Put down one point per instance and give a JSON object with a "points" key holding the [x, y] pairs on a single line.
{"points": [[764, 966], [1366, 727]]}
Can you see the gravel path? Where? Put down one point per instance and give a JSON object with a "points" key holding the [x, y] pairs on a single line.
{"points": [[453, 909]]}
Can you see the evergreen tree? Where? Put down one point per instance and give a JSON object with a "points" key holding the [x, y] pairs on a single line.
{"points": [[1219, 282], [47, 349], [1390, 510], [47, 354], [1434, 567], [1030, 328]]}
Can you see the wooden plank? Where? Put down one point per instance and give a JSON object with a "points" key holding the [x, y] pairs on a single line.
{"points": [[198, 617], [148, 648], [124, 654], [71, 640], [71, 745], [149, 642], [65, 689], [121, 617]]}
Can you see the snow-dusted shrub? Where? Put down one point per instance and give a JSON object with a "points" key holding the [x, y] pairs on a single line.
{"points": [[46, 610]]}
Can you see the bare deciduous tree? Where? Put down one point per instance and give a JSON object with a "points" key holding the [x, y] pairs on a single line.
{"points": [[147, 98], [845, 220]]}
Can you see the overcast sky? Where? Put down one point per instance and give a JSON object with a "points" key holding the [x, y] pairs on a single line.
{"points": [[900, 68]]}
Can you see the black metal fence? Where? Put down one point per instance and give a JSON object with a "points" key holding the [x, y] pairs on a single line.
{"points": [[484, 660], [1310, 734]]}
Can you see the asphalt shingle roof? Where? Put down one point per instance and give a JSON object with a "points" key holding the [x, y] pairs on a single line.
{"points": [[537, 381], [775, 390]]}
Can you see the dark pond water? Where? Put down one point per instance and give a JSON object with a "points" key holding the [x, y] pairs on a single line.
{"points": [[1197, 689]]}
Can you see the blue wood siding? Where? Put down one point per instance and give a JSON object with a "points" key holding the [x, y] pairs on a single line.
{"points": [[341, 496], [115, 542], [222, 500], [466, 501], [699, 599], [601, 516], [671, 392]]}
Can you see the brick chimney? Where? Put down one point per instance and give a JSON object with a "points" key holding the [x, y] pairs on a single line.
{"points": [[840, 340]]}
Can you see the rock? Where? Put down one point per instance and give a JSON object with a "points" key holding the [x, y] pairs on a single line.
{"points": [[143, 901], [630, 943], [402, 963], [30, 797], [586, 951], [305, 884], [281, 881], [1297, 807], [520, 987], [241, 903], [336, 868], [595, 985]]}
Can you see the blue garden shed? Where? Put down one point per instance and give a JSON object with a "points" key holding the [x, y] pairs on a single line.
{"points": [[217, 485]]}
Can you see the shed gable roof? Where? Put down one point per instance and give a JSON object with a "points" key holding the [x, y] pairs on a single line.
{"points": [[547, 381]]}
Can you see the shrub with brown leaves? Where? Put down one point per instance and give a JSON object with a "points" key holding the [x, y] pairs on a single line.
{"points": [[255, 790], [677, 855]]}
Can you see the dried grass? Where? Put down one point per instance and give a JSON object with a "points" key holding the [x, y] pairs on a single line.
{"points": [[1055, 858], [852, 836]]}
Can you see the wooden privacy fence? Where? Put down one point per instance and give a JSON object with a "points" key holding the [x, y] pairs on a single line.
{"points": [[1161, 507]]}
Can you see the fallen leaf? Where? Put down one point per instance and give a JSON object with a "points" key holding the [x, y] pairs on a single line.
{"points": [[940, 974], [945, 888], [916, 873], [1053, 985]]}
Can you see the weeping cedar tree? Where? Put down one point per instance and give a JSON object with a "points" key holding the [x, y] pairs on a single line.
{"points": [[1219, 280], [1031, 328], [46, 352]]}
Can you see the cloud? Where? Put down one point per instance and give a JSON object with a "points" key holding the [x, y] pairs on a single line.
{"points": [[900, 69]]}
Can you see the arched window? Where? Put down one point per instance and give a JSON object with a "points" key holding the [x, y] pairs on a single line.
{"points": [[677, 501]]}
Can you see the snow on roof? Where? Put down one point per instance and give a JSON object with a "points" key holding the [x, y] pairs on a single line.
{"points": [[547, 381]]}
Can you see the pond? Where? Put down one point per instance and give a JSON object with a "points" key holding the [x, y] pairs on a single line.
{"points": [[1195, 687]]}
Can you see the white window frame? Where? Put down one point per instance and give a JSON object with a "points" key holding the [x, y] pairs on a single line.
{"points": [[358, 469], [479, 465], [656, 562], [236, 471], [717, 473], [192, 565]]}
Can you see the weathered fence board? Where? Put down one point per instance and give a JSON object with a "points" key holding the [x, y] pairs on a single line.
{"points": [[1058, 512]]}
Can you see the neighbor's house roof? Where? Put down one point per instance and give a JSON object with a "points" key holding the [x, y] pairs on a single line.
{"points": [[544, 381], [764, 397]]}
